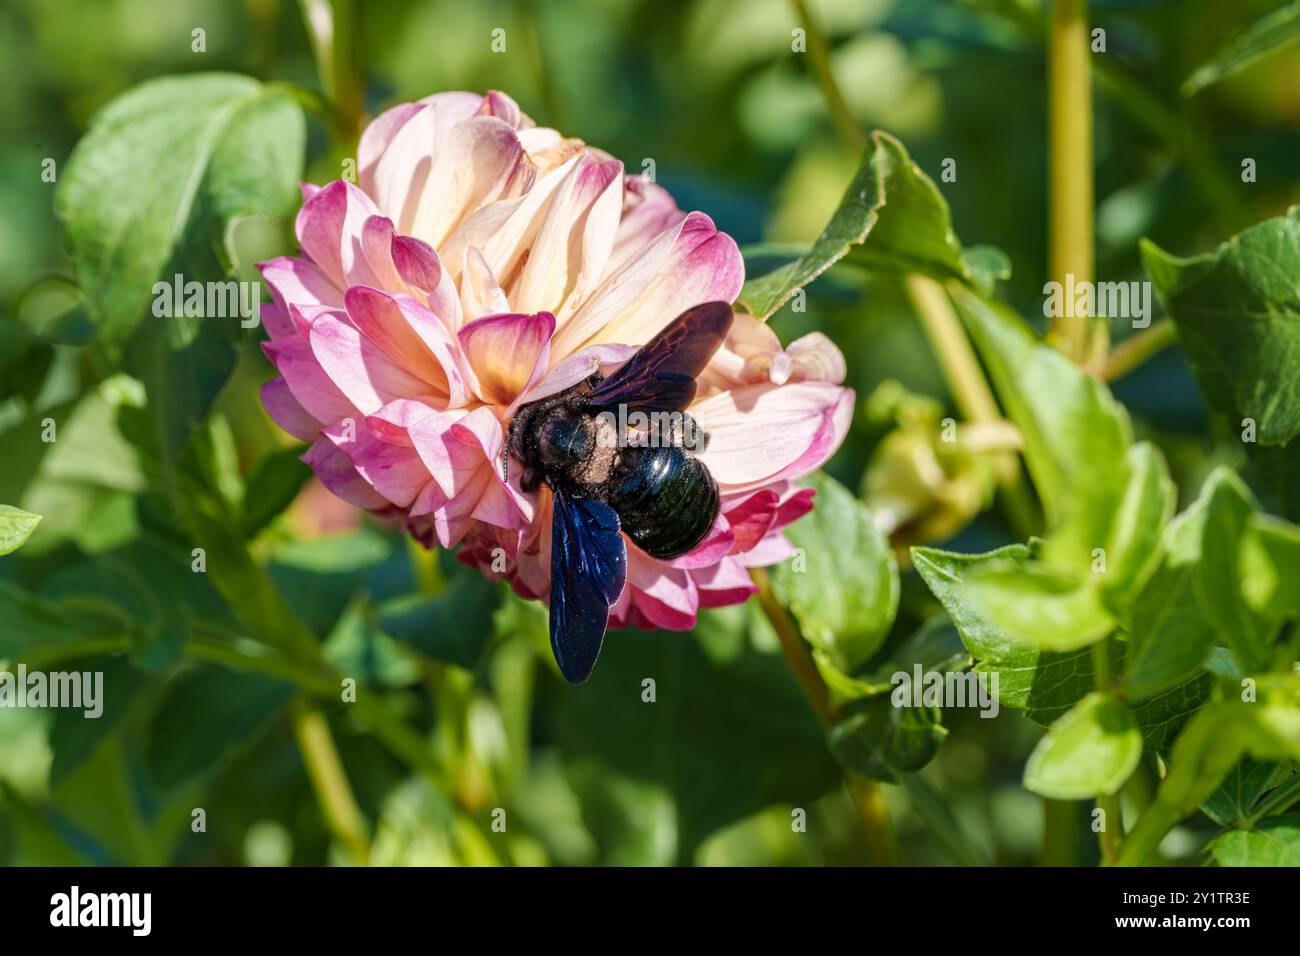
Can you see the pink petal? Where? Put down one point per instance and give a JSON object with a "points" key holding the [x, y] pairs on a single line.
{"points": [[295, 281], [276, 322], [752, 518], [716, 545], [666, 596], [376, 139], [412, 337], [330, 227], [648, 210], [727, 582], [306, 380], [395, 471], [335, 471], [287, 412], [575, 368], [394, 161], [360, 368]]}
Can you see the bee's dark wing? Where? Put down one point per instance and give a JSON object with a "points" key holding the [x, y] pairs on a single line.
{"points": [[588, 569], [661, 376]]}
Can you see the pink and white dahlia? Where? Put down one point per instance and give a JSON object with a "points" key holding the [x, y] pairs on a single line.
{"points": [[483, 262]]}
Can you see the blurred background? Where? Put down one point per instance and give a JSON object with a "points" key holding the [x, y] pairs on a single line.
{"points": [[737, 126]]}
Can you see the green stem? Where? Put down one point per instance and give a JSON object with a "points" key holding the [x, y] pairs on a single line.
{"points": [[1070, 170], [1060, 846], [1112, 831], [391, 731], [820, 53], [1136, 349], [1147, 834], [865, 794], [329, 779], [930, 806], [333, 28], [970, 389]]}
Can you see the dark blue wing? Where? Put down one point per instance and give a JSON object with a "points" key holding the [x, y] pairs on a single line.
{"points": [[661, 376], [588, 569]]}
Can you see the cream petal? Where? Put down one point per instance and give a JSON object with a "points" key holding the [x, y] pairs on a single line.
{"points": [[683, 267], [507, 353], [481, 162], [798, 426], [574, 240]]}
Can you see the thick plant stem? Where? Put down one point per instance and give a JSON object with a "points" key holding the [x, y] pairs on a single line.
{"points": [[820, 53], [329, 780], [792, 645], [865, 794], [1060, 846], [1150, 829], [1070, 170]]}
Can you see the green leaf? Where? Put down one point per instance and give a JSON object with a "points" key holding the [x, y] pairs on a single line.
{"points": [[1237, 310], [1133, 550], [1270, 567], [1033, 604], [1042, 683], [1262, 38], [33, 622], [843, 588], [892, 217], [453, 627], [1240, 791], [1228, 511], [1076, 435], [206, 716], [753, 740], [1272, 842], [16, 526], [271, 487], [1091, 750], [161, 178], [879, 740], [85, 465], [1169, 634]]}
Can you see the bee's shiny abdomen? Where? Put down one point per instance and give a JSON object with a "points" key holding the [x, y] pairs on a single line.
{"points": [[665, 499]]}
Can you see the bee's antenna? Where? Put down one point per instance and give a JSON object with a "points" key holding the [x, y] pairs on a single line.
{"points": [[505, 463]]}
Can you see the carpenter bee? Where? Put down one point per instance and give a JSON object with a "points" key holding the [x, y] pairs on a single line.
{"points": [[606, 477]]}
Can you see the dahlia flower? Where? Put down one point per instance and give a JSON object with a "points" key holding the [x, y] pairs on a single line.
{"points": [[482, 262]]}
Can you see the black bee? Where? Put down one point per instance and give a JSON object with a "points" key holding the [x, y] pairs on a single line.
{"points": [[605, 480]]}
